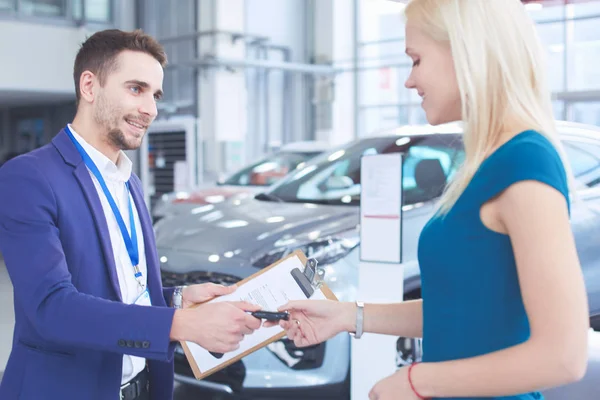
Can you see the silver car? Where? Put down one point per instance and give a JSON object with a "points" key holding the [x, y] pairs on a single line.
{"points": [[249, 180], [316, 209]]}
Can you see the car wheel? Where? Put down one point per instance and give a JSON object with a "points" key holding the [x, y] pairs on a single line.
{"points": [[408, 351]]}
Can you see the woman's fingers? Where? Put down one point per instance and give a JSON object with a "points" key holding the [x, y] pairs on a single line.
{"points": [[285, 325], [297, 305], [270, 324]]}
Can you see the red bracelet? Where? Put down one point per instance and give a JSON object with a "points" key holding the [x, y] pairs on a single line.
{"points": [[411, 384]]}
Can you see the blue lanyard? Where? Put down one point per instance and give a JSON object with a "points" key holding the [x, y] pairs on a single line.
{"points": [[130, 242]]}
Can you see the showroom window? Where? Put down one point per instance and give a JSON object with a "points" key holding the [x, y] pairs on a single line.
{"points": [[94, 10], [584, 73], [552, 36], [75, 11], [586, 112], [569, 34], [572, 40], [6, 5], [180, 84], [383, 69], [45, 8]]}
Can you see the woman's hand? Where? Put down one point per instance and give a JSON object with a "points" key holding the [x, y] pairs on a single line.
{"points": [[314, 321], [393, 387]]}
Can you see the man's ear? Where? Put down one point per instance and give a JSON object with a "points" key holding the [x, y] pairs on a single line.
{"points": [[87, 86]]}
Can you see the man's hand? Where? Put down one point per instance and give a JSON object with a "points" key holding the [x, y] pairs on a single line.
{"points": [[217, 326], [196, 294]]}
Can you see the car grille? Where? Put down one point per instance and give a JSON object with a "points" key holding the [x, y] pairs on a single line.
{"points": [[170, 279]]}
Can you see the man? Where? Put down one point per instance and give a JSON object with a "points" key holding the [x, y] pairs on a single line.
{"points": [[92, 318], [10, 155]]}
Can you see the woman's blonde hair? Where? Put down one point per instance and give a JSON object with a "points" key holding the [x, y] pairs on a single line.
{"points": [[500, 71]]}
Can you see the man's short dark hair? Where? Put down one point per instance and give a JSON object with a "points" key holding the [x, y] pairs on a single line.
{"points": [[98, 54]]}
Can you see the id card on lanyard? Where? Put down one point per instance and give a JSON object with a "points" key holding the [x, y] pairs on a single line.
{"points": [[130, 241], [143, 299]]}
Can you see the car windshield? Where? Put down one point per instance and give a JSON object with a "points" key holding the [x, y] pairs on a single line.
{"points": [[334, 178], [269, 170]]}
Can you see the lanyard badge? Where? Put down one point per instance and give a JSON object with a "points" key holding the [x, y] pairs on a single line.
{"points": [[130, 241]]}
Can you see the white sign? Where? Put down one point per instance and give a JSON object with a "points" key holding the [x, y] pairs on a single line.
{"points": [[381, 208], [180, 176]]}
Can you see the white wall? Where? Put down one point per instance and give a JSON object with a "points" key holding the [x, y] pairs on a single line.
{"points": [[38, 57]]}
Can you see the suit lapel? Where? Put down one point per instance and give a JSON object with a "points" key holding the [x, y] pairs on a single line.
{"points": [[81, 173], [154, 279], [91, 195]]}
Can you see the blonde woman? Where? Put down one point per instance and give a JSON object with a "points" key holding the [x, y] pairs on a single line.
{"points": [[504, 310]]}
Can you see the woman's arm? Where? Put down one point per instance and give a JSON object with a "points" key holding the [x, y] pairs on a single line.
{"points": [[535, 217], [315, 321], [398, 319]]}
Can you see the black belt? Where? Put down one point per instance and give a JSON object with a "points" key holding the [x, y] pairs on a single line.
{"points": [[137, 386]]}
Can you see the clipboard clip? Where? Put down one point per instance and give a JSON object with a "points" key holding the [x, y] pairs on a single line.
{"points": [[309, 279]]}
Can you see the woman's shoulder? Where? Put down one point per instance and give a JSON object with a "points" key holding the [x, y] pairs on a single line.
{"points": [[530, 155], [527, 151]]}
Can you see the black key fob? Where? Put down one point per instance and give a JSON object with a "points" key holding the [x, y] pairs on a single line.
{"points": [[271, 315]]}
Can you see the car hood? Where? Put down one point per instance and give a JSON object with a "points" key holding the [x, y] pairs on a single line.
{"points": [[176, 204], [216, 194], [248, 228]]}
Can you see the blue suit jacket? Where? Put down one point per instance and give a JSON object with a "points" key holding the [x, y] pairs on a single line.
{"points": [[71, 327]]}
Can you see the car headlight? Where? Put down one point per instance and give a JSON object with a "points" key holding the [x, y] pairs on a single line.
{"points": [[326, 250]]}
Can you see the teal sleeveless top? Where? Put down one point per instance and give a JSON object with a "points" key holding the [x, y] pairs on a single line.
{"points": [[472, 303]]}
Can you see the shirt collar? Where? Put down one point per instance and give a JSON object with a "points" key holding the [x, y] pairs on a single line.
{"points": [[120, 172]]}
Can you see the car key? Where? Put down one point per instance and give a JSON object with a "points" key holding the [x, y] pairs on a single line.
{"points": [[271, 315], [266, 315]]}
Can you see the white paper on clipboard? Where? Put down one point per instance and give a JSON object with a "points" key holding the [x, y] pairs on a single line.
{"points": [[269, 289]]}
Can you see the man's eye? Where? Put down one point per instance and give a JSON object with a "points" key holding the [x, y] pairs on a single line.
{"points": [[135, 89]]}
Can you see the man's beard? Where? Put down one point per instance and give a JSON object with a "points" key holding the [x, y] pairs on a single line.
{"points": [[117, 139], [109, 118]]}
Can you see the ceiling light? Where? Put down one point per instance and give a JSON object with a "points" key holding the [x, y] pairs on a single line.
{"points": [[534, 6]]}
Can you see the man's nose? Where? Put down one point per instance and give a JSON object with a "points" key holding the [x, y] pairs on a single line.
{"points": [[148, 108]]}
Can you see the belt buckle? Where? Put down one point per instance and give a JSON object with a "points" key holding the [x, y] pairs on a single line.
{"points": [[121, 396]]}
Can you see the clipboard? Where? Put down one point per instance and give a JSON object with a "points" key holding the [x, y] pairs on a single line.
{"points": [[309, 280]]}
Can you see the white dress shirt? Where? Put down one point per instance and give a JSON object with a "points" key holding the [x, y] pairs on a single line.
{"points": [[115, 177]]}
